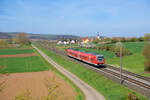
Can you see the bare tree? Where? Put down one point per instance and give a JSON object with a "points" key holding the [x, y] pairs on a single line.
{"points": [[3, 44], [146, 53], [23, 38], [147, 37]]}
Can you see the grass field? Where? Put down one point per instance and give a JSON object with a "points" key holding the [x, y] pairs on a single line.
{"points": [[135, 47], [110, 89], [21, 64], [25, 64], [133, 63], [15, 51]]}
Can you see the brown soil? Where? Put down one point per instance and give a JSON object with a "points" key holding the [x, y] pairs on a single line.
{"points": [[18, 55], [34, 81]]}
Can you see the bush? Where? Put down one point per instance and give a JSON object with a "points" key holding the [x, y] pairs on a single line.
{"points": [[140, 39], [147, 37], [114, 40], [95, 41], [147, 66], [125, 52], [132, 96], [23, 38], [104, 47], [133, 40], [3, 44], [146, 53], [123, 39], [113, 48]]}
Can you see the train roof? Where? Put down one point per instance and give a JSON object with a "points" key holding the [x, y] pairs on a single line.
{"points": [[92, 53]]}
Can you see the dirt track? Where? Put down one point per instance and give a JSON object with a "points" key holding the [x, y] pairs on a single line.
{"points": [[34, 81], [18, 55]]}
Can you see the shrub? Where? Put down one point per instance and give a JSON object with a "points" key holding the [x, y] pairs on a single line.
{"points": [[104, 47], [3, 44], [125, 52], [140, 39], [23, 38], [113, 48], [95, 41], [147, 66], [133, 40], [147, 37], [132, 96], [114, 40], [123, 39], [146, 53]]}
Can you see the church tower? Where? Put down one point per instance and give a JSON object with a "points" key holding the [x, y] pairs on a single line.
{"points": [[98, 36]]}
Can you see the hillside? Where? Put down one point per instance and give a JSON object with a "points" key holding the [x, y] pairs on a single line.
{"points": [[8, 35]]}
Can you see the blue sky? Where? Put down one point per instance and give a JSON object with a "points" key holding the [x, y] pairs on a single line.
{"points": [[76, 17]]}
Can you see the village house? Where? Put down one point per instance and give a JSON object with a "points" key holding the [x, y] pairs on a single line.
{"points": [[66, 42]]}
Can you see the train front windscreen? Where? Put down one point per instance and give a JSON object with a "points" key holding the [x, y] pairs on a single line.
{"points": [[100, 58]]}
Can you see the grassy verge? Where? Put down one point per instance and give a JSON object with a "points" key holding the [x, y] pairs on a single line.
{"points": [[110, 89]]}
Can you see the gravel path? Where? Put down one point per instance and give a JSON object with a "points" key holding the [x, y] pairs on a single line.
{"points": [[89, 92]]}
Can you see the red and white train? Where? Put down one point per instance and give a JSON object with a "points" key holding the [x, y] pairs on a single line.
{"points": [[89, 57]]}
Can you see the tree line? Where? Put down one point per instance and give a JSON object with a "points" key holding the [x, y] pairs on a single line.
{"points": [[19, 40], [146, 37]]}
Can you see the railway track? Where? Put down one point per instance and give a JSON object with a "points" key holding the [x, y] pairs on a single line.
{"points": [[130, 73], [140, 81], [142, 84]]}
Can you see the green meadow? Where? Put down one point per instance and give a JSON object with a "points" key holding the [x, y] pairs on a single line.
{"points": [[15, 51], [21, 64]]}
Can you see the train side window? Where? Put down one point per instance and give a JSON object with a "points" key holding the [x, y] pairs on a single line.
{"points": [[81, 56]]}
